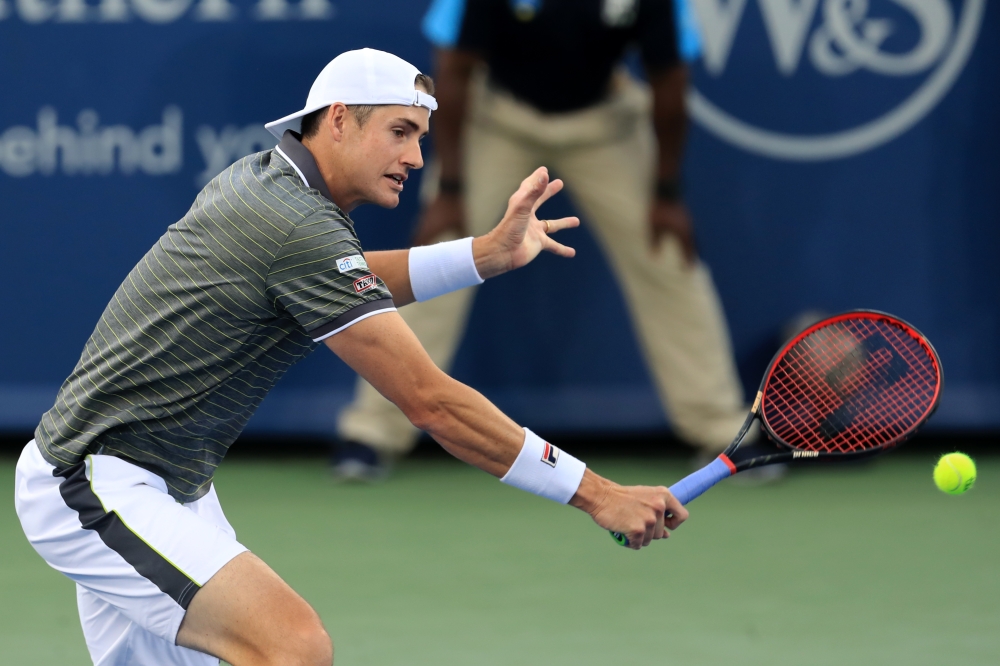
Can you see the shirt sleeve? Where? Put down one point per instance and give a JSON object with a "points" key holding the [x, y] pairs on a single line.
{"points": [[443, 21], [658, 34], [689, 43], [477, 25], [320, 277]]}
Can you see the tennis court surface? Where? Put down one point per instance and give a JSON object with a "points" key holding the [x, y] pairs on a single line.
{"points": [[443, 565]]}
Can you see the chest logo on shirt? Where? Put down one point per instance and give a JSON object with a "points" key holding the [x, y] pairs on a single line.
{"points": [[355, 262], [550, 455], [366, 283]]}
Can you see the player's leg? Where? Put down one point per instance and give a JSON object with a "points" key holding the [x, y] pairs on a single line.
{"points": [[675, 308], [142, 558], [495, 165], [245, 614]]}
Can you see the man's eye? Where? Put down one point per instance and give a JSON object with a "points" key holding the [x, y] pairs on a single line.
{"points": [[399, 133]]}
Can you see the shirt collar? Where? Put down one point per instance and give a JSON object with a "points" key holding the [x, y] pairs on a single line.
{"points": [[291, 148]]}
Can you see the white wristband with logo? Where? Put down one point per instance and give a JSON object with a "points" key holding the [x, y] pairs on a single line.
{"points": [[544, 470], [441, 268]]}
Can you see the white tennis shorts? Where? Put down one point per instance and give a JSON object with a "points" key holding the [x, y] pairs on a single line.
{"points": [[137, 556]]}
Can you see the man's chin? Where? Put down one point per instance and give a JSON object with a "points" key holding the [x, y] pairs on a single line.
{"points": [[388, 199], [383, 197]]}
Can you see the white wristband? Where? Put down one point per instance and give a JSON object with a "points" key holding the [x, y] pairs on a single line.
{"points": [[544, 470], [438, 269]]}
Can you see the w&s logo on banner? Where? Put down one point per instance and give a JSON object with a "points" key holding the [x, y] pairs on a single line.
{"points": [[811, 80]]}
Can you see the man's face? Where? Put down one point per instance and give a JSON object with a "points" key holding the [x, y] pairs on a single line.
{"points": [[384, 150]]}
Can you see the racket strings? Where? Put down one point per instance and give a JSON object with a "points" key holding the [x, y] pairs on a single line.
{"points": [[855, 384], [858, 416]]}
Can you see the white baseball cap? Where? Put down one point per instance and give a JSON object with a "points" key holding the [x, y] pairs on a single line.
{"points": [[365, 76]]}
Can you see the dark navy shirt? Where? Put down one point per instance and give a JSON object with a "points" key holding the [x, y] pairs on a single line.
{"points": [[558, 55]]}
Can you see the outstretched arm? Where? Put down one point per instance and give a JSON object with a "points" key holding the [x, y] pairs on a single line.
{"points": [[515, 242], [384, 351]]}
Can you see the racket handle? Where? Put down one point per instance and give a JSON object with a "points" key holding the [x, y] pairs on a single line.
{"points": [[691, 487]]}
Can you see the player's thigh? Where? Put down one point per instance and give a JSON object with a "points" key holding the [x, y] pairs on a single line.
{"points": [[495, 165], [246, 614]]}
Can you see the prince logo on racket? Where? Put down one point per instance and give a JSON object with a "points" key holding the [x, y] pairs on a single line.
{"points": [[882, 367]]}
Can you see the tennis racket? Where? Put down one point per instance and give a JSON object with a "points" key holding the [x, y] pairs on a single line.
{"points": [[850, 386]]}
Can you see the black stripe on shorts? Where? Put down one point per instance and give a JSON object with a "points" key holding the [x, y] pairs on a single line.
{"points": [[116, 535]]}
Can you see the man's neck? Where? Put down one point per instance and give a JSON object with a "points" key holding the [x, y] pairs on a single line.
{"points": [[328, 164]]}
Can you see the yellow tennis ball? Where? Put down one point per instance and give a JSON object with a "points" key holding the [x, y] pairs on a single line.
{"points": [[954, 473]]}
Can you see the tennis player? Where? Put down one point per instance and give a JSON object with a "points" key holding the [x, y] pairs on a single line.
{"points": [[116, 491]]}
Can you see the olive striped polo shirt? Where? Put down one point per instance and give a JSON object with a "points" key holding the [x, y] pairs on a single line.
{"points": [[262, 267]]}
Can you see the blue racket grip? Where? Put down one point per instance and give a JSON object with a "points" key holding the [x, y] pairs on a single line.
{"points": [[692, 486]]}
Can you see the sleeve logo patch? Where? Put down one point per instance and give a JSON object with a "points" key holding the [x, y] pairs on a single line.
{"points": [[355, 262], [550, 455], [366, 283]]}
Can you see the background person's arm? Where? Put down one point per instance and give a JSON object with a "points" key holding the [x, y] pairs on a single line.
{"points": [[668, 213], [669, 120], [445, 213], [513, 243], [385, 352]]}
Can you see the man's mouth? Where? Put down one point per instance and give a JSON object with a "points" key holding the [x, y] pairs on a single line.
{"points": [[396, 180]]}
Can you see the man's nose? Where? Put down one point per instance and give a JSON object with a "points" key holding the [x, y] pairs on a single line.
{"points": [[414, 157]]}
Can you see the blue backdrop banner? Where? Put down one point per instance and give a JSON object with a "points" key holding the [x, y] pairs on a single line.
{"points": [[842, 154]]}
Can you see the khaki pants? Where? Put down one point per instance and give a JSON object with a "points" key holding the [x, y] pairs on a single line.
{"points": [[605, 154]]}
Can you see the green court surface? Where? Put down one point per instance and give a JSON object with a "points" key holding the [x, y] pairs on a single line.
{"points": [[444, 565]]}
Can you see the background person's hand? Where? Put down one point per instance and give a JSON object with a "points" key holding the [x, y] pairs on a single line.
{"points": [[442, 219], [673, 218], [521, 236], [642, 513]]}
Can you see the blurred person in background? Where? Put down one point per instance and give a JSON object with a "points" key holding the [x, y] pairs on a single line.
{"points": [[530, 82]]}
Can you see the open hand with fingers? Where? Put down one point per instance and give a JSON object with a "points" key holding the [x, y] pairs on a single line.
{"points": [[521, 236]]}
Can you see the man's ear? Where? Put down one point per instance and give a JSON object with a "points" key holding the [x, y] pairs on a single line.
{"points": [[336, 120]]}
